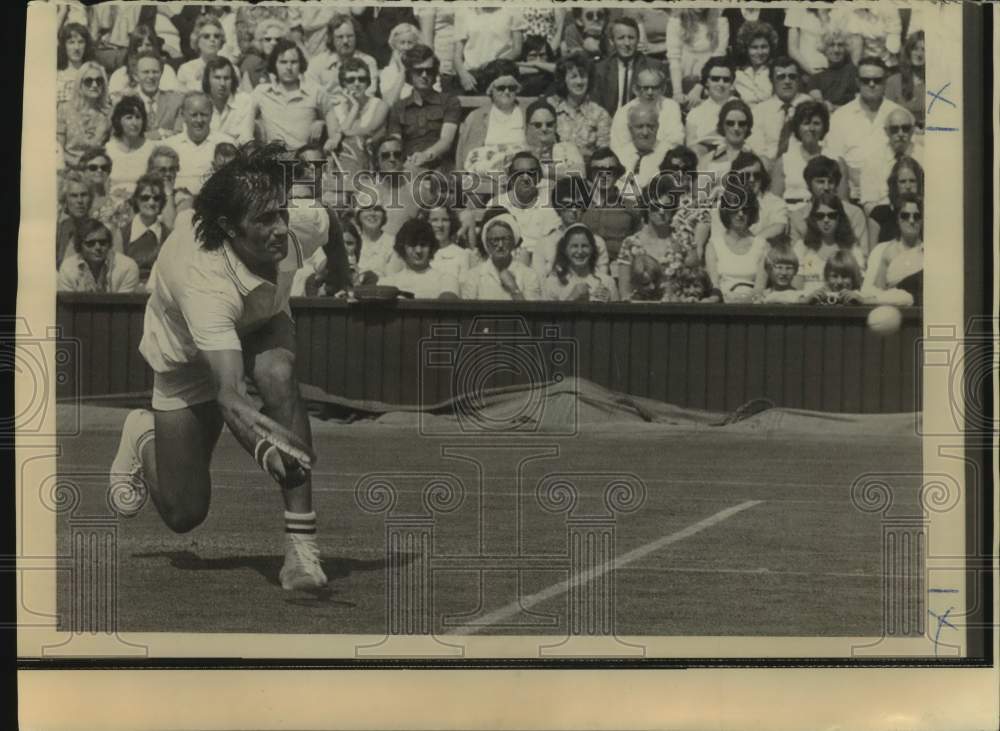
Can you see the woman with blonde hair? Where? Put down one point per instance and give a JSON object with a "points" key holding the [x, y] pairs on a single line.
{"points": [[84, 120], [392, 79], [208, 38]]}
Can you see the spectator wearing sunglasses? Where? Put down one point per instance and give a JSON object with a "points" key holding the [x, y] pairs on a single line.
{"points": [[734, 126], [491, 134], [772, 212], [899, 264], [541, 139], [586, 33], [828, 230], [899, 128], [773, 126], [717, 76], [483, 35], [360, 115], [437, 30], [393, 190], [143, 236], [207, 38], [427, 120], [85, 119], [858, 129], [94, 266], [605, 215]]}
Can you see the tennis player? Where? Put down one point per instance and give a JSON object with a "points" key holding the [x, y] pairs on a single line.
{"points": [[217, 313]]}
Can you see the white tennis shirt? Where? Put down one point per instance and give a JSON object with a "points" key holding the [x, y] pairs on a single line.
{"points": [[204, 300]]}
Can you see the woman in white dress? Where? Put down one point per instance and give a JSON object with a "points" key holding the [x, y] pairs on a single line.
{"points": [[899, 264], [735, 260], [451, 257]]}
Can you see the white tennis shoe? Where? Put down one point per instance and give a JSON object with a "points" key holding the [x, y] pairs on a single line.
{"points": [[128, 492], [302, 569]]}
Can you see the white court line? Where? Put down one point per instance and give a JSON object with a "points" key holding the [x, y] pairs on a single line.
{"points": [[516, 607]]}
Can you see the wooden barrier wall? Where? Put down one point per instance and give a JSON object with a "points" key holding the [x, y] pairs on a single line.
{"points": [[715, 357]]}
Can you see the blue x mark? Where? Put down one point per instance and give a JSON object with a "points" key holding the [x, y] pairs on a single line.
{"points": [[939, 96]]}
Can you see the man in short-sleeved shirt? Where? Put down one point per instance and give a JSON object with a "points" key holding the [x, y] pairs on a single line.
{"points": [[426, 120], [218, 314], [857, 129], [292, 109]]}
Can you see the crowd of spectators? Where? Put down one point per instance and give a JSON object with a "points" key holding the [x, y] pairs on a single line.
{"points": [[574, 154]]}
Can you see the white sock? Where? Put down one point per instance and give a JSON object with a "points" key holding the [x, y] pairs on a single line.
{"points": [[300, 523]]}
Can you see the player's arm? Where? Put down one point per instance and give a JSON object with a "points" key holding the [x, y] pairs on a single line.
{"points": [[241, 415], [238, 411]]}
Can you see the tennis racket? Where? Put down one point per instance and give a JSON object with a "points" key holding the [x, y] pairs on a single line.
{"points": [[290, 444]]}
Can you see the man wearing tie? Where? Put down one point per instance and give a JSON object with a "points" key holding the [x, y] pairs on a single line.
{"points": [[643, 156], [163, 108], [615, 76], [772, 117]]}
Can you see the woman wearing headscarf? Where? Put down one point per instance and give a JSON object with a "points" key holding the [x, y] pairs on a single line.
{"points": [[501, 276]]}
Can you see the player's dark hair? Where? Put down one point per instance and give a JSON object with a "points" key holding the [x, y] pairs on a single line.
{"points": [[248, 182]]}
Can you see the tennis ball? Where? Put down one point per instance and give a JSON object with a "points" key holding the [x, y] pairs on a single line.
{"points": [[885, 320]]}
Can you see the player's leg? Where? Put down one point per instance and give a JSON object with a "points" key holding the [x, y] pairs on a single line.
{"points": [[180, 483], [270, 357], [166, 455]]}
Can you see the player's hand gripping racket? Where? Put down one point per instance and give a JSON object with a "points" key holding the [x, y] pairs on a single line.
{"points": [[297, 457]]}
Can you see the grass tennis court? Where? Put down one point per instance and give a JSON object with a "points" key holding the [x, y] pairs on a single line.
{"points": [[796, 557]]}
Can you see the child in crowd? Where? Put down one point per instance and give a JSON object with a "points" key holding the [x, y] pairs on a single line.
{"points": [[782, 265], [646, 279], [841, 282]]}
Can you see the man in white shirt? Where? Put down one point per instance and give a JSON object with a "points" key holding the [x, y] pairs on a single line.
{"points": [[482, 35], [650, 87], [899, 126], [218, 311], [645, 152], [772, 117], [717, 75], [857, 129], [195, 146], [232, 110]]}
